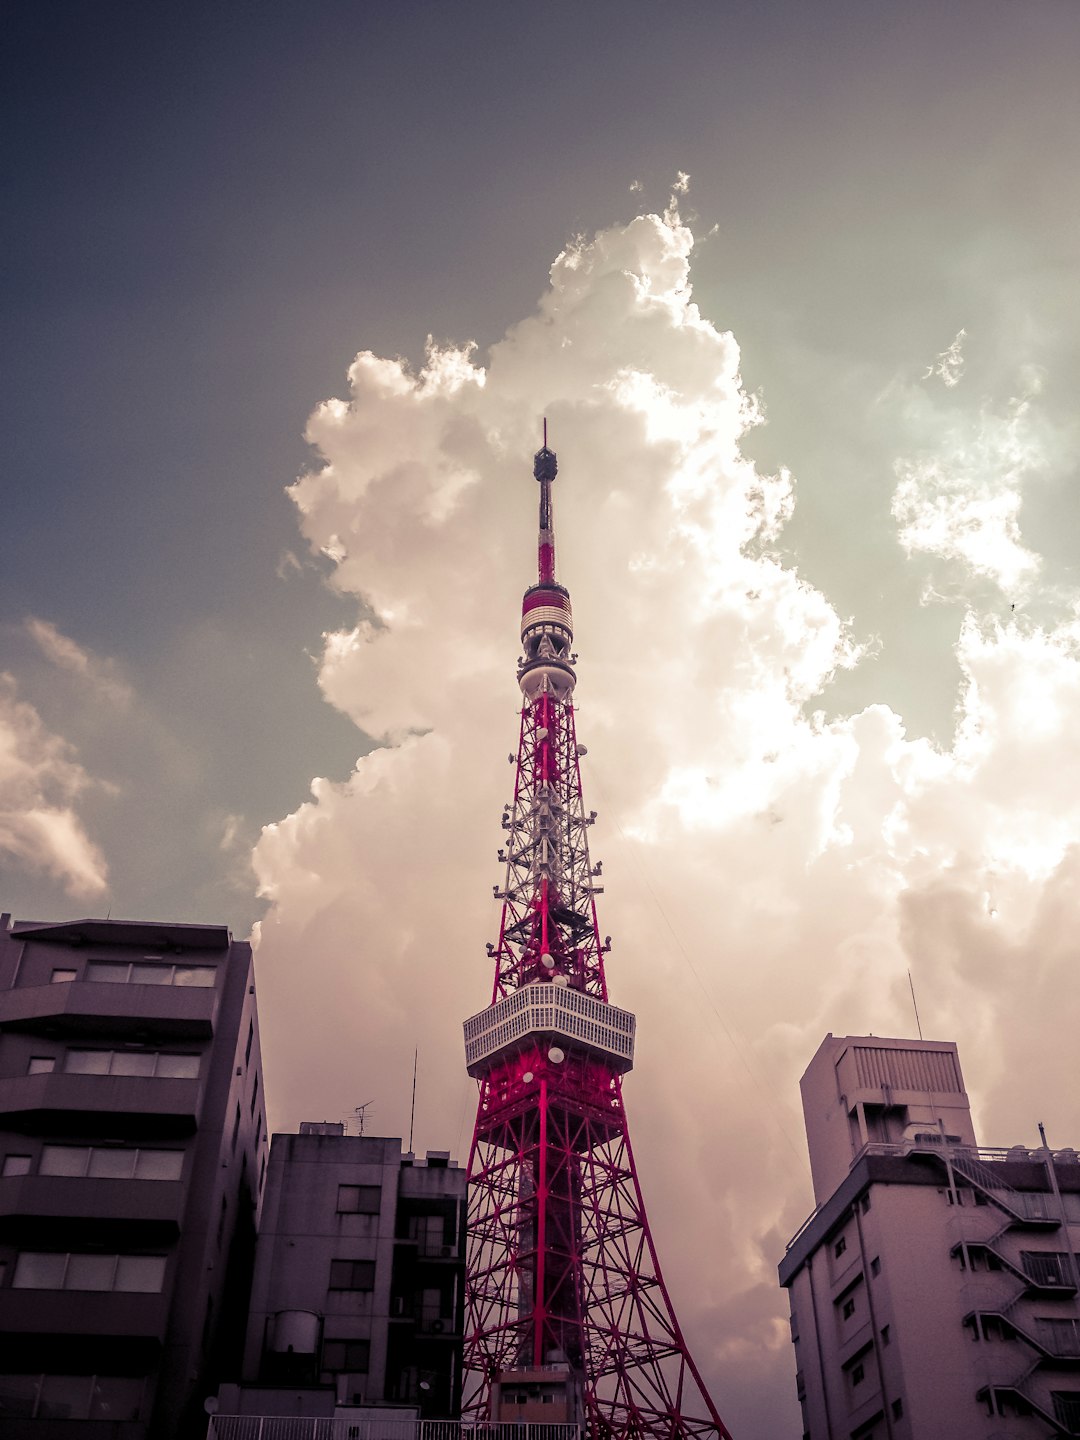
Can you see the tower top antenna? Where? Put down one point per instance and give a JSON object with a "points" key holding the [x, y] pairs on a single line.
{"points": [[545, 468]]}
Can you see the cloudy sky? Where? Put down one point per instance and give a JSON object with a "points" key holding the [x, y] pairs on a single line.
{"points": [[287, 290]]}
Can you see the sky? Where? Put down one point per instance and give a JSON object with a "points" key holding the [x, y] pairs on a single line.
{"points": [[287, 290]]}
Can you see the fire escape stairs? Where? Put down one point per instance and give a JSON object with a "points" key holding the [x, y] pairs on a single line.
{"points": [[1066, 1352], [1018, 1391], [1031, 1282], [1024, 1207]]}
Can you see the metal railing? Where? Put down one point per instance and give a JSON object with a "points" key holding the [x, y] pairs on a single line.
{"points": [[289, 1427], [976, 1163]]}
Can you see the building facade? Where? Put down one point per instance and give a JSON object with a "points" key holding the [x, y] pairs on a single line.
{"points": [[132, 1152], [357, 1301], [934, 1290]]}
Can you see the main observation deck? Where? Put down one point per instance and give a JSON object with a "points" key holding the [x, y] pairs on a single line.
{"points": [[550, 1012]]}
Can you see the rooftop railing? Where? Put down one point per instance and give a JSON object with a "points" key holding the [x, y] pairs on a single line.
{"points": [[288, 1427]]}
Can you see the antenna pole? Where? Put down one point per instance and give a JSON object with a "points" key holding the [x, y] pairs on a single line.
{"points": [[914, 1006], [412, 1112]]}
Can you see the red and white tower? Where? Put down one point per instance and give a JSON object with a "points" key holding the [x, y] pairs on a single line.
{"points": [[567, 1314]]}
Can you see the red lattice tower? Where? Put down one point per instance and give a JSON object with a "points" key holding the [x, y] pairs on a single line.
{"points": [[567, 1314]]}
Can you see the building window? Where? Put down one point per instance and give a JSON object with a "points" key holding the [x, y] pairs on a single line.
{"points": [[120, 972], [144, 1063], [255, 1094], [886, 1336], [258, 1130], [864, 1203], [346, 1355], [111, 1162], [359, 1199], [262, 1173], [849, 1309], [898, 1409], [352, 1274], [250, 1041], [875, 1266], [858, 1374], [16, 1165], [840, 1246], [41, 1064], [71, 1397], [236, 1126], [52, 1270], [61, 977]]}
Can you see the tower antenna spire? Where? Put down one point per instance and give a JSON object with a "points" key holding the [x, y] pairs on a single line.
{"points": [[564, 1293]]}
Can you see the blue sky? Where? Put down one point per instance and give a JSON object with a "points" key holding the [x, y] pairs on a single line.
{"points": [[211, 209]]}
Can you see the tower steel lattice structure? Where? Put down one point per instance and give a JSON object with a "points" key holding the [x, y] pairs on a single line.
{"points": [[562, 1274]]}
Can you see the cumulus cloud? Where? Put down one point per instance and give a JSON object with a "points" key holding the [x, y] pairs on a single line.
{"points": [[39, 781], [769, 876], [960, 498]]}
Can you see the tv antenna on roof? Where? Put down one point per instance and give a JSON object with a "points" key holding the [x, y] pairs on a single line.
{"points": [[360, 1112]]}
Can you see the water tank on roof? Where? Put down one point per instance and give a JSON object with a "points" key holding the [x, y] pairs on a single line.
{"points": [[293, 1332]]}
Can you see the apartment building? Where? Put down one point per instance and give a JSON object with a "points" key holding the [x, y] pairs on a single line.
{"points": [[934, 1290], [358, 1295], [132, 1155]]}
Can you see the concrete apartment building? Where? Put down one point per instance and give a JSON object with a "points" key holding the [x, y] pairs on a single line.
{"points": [[357, 1300], [934, 1289], [132, 1145]]}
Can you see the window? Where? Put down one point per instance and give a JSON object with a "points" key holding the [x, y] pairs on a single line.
{"points": [[61, 977], [47, 1270], [41, 1064], [864, 1203], [71, 1397], [254, 1093], [898, 1409], [16, 1165], [236, 1126], [250, 1041], [111, 1162], [886, 1335], [145, 1063], [359, 1199], [258, 1130], [352, 1274], [849, 1309], [875, 1266], [120, 972], [858, 1374], [345, 1354], [840, 1246]]}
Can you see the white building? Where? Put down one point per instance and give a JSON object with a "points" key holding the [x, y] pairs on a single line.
{"points": [[934, 1290]]}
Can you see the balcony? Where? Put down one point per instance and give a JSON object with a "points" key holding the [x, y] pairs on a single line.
{"points": [[79, 1007], [28, 1313], [156, 1205], [75, 1103]]}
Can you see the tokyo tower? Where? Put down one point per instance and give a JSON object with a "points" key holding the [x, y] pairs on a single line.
{"points": [[567, 1317]]}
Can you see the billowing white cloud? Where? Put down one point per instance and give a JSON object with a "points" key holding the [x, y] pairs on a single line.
{"points": [[949, 365], [769, 876], [39, 781], [960, 497]]}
